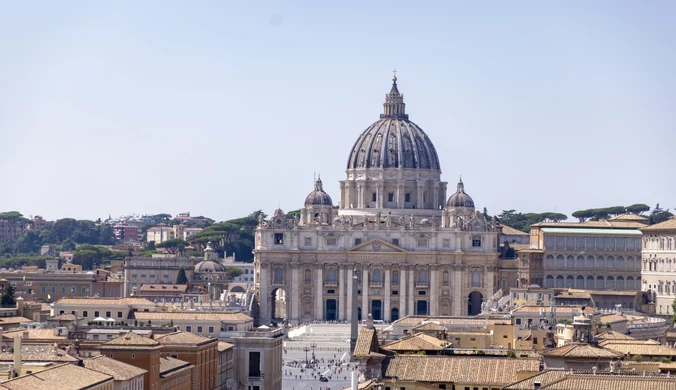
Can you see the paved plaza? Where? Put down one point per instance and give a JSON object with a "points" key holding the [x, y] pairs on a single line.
{"points": [[332, 351]]}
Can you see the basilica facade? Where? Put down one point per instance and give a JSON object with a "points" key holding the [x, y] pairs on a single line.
{"points": [[413, 250]]}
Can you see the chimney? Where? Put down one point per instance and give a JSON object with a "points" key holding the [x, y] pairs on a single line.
{"points": [[536, 385], [17, 357]]}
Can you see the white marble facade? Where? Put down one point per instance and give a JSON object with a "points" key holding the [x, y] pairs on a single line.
{"points": [[413, 250]]}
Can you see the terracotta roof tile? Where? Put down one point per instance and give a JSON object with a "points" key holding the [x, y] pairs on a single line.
{"points": [[612, 335], [545, 377], [192, 315], [365, 342], [417, 342], [429, 327], [669, 224], [115, 368], [103, 301], [131, 339], [61, 377], [169, 365], [612, 382], [466, 370], [581, 350], [510, 231], [163, 287], [222, 346], [182, 338], [628, 217], [643, 349]]}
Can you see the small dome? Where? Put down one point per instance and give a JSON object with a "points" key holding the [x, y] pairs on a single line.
{"points": [[460, 198], [209, 266], [318, 196]]}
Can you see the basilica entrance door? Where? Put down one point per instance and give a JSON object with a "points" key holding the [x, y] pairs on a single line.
{"points": [[331, 310], [377, 309], [421, 308]]}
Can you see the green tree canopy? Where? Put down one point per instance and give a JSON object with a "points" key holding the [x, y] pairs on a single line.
{"points": [[7, 299], [638, 208], [181, 278], [173, 246], [233, 272]]}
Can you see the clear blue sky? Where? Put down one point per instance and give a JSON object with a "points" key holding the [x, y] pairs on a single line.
{"points": [[221, 108]]}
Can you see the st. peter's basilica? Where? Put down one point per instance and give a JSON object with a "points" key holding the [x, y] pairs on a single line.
{"points": [[414, 250]]}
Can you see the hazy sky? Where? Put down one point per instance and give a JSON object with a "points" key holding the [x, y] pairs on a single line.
{"points": [[225, 107]]}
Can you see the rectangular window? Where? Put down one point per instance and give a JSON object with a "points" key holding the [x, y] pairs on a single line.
{"points": [[112, 293], [255, 364], [108, 314], [211, 329], [422, 242], [97, 314], [188, 328], [390, 197], [407, 197], [422, 292], [83, 290], [535, 341], [357, 241], [395, 292], [330, 291], [518, 321], [331, 242], [63, 289], [373, 197], [199, 329], [85, 313], [476, 242], [395, 241], [308, 241], [119, 314], [279, 238], [53, 289], [43, 289], [447, 243]]}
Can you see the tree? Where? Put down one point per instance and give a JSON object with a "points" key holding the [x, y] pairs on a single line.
{"points": [[68, 245], [233, 272], [86, 258], [150, 245], [181, 278], [16, 223], [583, 215], [8, 297], [106, 235], [673, 310], [173, 246], [638, 208], [659, 215]]}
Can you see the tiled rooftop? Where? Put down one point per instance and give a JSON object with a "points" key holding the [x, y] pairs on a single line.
{"points": [[222, 346], [61, 377], [181, 337], [545, 377], [365, 342], [581, 350], [669, 224], [418, 342], [115, 368], [510, 231], [169, 365], [131, 339], [192, 315], [163, 287], [104, 301], [643, 349], [465, 370], [612, 382], [612, 335]]}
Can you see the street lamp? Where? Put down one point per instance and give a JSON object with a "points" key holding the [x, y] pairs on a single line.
{"points": [[306, 349], [313, 345]]}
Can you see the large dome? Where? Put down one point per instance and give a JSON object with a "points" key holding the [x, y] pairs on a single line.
{"points": [[394, 141], [209, 266]]}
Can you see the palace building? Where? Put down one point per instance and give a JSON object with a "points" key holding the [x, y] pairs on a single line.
{"points": [[413, 250]]}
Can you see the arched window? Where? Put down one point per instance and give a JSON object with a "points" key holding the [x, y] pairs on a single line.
{"points": [[570, 262], [559, 280], [331, 275], [599, 282], [590, 262], [619, 262], [610, 283], [422, 276], [570, 282], [376, 277], [549, 262], [549, 281], [580, 262], [619, 283], [476, 278], [590, 282], [395, 277], [629, 285], [445, 277], [610, 262], [560, 263], [279, 274], [633, 265], [308, 276], [579, 282], [600, 262], [637, 285]]}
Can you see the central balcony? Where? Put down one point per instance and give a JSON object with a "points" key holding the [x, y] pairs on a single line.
{"points": [[376, 284], [422, 284], [330, 283]]}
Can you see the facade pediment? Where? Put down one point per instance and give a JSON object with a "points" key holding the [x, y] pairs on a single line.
{"points": [[376, 245]]}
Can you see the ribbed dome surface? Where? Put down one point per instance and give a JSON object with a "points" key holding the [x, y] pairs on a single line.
{"points": [[209, 266], [318, 196], [460, 198], [394, 143]]}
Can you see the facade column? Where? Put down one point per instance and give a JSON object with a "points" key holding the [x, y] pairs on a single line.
{"points": [[436, 196], [319, 296], [411, 289], [402, 292], [379, 200], [265, 295], [341, 293], [400, 195], [342, 194], [419, 200], [488, 282], [434, 291], [387, 294], [294, 299], [348, 305], [457, 301], [365, 309]]}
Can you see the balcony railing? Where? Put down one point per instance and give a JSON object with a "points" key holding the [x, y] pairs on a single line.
{"points": [[330, 283], [422, 284], [376, 284], [277, 282]]}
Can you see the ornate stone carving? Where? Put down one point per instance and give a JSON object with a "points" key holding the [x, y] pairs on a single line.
{"points": [[376, 245]]}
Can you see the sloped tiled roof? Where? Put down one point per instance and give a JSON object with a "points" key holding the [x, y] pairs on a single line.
{"points": [[131, 340], [644, 349], [669, 224], [465, 370], [603, 224], [163, 287], [581, 350], [429, 327], [115, 368], [367, 342], [170, 365], [417, 342], [222, 346], [181, 337], [510, 231], [104, 301], [612, 382], [192, 315], [61, 377], [628, 217], [545, 377], [612, 335]]}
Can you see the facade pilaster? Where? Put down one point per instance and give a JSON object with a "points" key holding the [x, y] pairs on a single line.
{"points": [[457, 300], [348, 305], [265, 294], [411, 291], [295, 299], [402, 292], [365, 309], [434, 291], [319, 296], [388, 293], [341, 293]]}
